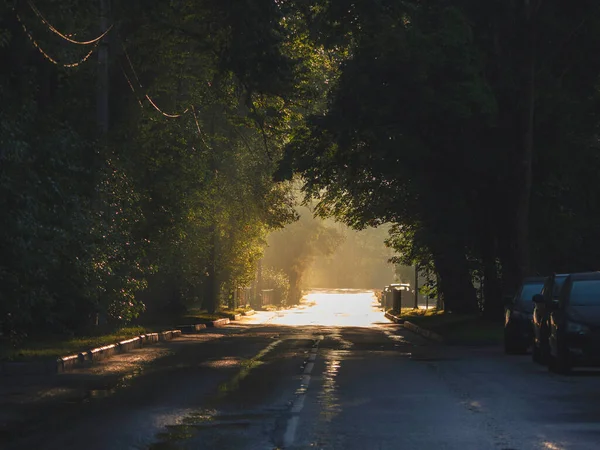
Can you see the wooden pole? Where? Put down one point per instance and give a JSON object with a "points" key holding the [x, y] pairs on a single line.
{"points": [[102, 106], [416, 286]]}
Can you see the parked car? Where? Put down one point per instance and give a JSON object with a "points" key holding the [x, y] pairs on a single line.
{"points": [[543, 303], [518, 332], [574, 338]]}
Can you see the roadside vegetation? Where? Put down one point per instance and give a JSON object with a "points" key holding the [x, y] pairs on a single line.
{"points": [[143, 173], [46, 347], [456, 328]]}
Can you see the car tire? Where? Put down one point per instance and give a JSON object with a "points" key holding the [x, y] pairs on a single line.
{"points": [[509, 345], [536, 354], [544, 355], [512, 347], [560, 363]]}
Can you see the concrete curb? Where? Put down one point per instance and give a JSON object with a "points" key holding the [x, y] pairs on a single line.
{"points": [[234, 316], [250, 312], [219, 323], [393, 318], [194, 328], [70, 362], [423, 332]]}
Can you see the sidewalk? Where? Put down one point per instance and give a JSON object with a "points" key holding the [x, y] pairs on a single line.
{"points": [[20, 395]]}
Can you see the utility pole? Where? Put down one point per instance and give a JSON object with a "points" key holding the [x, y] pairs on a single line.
{"points": [[259, 284], [102, 118], [439, 305], [102, 108], [416, 286]]}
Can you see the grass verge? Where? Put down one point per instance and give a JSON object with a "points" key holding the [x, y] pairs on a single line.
{"points": [[457, 329], [56, 346]]}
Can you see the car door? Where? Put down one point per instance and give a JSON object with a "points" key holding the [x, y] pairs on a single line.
{"points": [[557, 317], [539, 309]]}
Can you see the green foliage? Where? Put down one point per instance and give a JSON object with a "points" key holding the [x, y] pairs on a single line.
{"points": [[293, 249], [279, 282], [427, 129], [162, 213]]}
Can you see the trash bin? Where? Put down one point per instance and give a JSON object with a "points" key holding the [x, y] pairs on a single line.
{"points": [[393, 296], [397, 300], [387, 298]]}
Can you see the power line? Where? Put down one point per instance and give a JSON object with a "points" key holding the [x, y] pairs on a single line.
{"points": [[154, 105], [199, 130], [65, 37], [86, 57], [172, 116], [47, 56], [131, 64], [131, 86]]}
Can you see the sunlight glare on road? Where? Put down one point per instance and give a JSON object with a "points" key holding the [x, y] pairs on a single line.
{"points": [[334, 307]]}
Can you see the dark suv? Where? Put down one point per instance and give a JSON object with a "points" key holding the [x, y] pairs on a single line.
{"points": [[543, 304], [574, 338], [517, 324]]}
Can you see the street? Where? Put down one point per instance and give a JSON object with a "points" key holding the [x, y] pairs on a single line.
{"points": [[331, 374]]}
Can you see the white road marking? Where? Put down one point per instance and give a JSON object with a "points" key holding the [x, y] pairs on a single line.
{"points": [[309, 367], [306, 380], [298, 404], [290, 432], [292, 425]]}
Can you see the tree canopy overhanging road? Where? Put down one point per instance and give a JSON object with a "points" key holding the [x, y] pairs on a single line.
{"points": [[140, 144]]}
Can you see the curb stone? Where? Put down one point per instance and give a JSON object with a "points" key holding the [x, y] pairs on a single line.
{"points": [[70, 362], [194, 328], [423, 331], [250, 312], [219, 323], [234, 316], [394, 318]]}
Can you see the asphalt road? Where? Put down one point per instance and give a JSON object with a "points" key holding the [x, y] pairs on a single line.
{"points": [[332, 374]]}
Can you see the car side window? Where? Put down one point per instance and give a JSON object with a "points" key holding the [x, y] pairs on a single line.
{"points": [[564, 292], [546, 291]]}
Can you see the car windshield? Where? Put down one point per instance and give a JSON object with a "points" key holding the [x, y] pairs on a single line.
{"points": [[585, 293], [527, 292]]}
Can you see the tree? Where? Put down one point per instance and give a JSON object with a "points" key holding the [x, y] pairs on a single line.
{"points": [[293, 249], [432, 124]]}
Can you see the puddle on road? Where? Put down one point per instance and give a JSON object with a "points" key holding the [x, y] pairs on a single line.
{"points": [[328, 397], [111, 388], [221, 363], [204, 419], [247, 367]]}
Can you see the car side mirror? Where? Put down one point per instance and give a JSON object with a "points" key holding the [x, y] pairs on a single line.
{"points": [[538, 298]]}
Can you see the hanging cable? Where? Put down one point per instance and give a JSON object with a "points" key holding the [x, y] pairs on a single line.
{"points": [[47, 56], [198, 127], [171, 116], [65, 37], [131, 64], [131, 86]]}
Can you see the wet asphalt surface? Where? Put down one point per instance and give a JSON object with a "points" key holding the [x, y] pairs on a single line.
{"points": [[331, 375]]}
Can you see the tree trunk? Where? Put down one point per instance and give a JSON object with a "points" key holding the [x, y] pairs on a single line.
{"points": [[492, 294], [455, 282], [492, 288], [295, 291], [527, 123], [210, 293]]}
